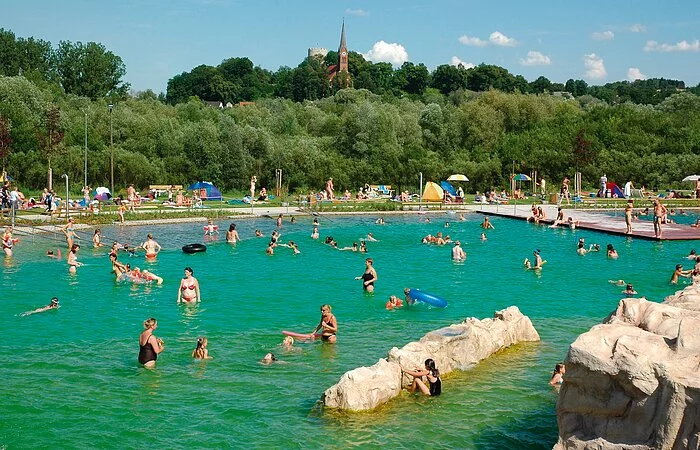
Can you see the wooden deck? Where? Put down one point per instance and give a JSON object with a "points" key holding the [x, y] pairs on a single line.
{"points": [[597, 221]]}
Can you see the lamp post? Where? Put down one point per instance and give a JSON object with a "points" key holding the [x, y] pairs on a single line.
{"points": [[67, 208], [86, 123], [111, 148]]}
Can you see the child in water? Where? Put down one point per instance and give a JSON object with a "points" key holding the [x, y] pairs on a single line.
{"points": [[394, 302], [558, 375], [201, 352]]}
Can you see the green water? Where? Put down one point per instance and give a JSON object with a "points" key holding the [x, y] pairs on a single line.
{"points": [[71, 379]]}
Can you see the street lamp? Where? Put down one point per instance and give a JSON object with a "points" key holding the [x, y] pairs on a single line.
{"points": [[111, 148], [67, 194], [86, 123]]}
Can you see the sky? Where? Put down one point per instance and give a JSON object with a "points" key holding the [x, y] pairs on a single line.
{"points": [[598, 41]]}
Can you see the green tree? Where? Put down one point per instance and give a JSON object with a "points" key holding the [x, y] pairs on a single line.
{"points": [[541, 85], [90, 70], [5, 139], [50, 137], [447, 78]]}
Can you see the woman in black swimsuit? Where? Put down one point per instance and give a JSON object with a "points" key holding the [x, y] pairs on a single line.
{"points": [[328, 325], [369, 277], [433, 376], [149, 345]]}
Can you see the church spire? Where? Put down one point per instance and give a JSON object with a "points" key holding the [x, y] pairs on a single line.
{"points": [[343, 45]]}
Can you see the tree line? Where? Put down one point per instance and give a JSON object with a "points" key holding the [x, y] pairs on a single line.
{"points": [[391, 125], [238, 79]]}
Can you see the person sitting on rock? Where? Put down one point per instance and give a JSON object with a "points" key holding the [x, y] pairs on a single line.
{"points": [[558, 375], [432, 374]]}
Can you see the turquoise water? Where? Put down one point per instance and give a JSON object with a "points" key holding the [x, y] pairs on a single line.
{"points": [[71, 379]]}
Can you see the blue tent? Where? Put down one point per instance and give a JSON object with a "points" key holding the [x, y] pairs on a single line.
{"points": [[449, 188], [212, 191]]}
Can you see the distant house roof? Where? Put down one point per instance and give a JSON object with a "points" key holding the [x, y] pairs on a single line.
{"points": [[213, 104]]}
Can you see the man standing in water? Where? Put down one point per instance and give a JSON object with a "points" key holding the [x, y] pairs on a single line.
{"points": [[151, 246], [458, 253], [659, 213]]}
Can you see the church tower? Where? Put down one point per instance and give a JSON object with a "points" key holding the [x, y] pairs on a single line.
{"points": [[343, 52]]}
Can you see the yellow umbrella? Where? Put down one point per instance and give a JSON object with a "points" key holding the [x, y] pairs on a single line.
{"points": [[457, 177]]}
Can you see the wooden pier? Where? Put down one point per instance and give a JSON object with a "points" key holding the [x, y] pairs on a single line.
{"points": [[598, 221]]}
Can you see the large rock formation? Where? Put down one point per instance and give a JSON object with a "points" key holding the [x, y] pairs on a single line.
{"points": [[458, 346], [634, 381]]}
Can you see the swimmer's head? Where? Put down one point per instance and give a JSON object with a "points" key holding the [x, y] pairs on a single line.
{"points": [[610, 247], [202, 342], [150, 323], [150, 236], [232, 227], [629, 287], [189, 271], [679, 266], [407, 291], [457, 243], [692, 252], [288, 341], [49, 252], [268, 358], [536, 251], [54, 301]]}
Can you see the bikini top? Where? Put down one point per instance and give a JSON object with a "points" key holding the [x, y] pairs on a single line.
{"points": [[190, 287]]}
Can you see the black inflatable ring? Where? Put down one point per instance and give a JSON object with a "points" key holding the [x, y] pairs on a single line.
{"points": [[194, 248]]}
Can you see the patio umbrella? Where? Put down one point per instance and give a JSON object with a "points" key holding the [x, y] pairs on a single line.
{"points": [[457, 177], [692, 178], [522, 177], [102, 190]]}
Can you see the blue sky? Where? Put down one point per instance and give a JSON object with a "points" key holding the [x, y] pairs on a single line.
{"points": [[598, 41]]}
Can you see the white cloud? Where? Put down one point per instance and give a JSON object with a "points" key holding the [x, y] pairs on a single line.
{"points": [[595, 68], [456, 62], [385, 52], [535, 59], [682, 46], [637, 28], [472, 41], [603, 36], [498, 38], [634, 73], [356, 12]]}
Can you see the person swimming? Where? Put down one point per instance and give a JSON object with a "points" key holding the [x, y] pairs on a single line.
{"points": [[53, 304], [629, 292], [394, 302], [268, 359]]}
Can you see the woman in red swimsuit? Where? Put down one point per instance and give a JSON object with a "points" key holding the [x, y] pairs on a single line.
{"points": [[189, 288]]}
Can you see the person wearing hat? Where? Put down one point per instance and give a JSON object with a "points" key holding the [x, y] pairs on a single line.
{"points": [[52, 305], [458, 253]]}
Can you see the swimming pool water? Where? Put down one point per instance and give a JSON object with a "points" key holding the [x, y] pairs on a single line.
{"points": [[71, 378]]}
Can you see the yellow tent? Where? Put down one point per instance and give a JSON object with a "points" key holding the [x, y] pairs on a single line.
{"points": [[432, 192]]}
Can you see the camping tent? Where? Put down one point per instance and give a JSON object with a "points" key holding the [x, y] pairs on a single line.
{"points": [[613, 189], [212, 192], [432, 192]]}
